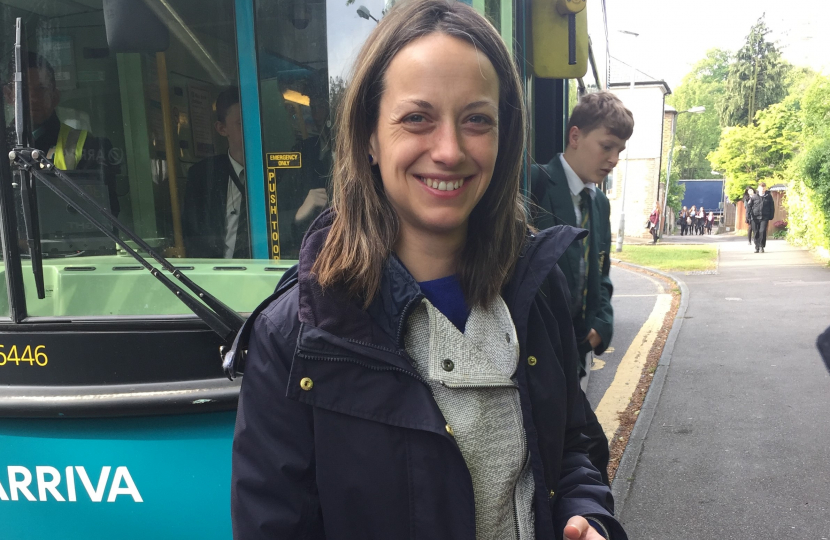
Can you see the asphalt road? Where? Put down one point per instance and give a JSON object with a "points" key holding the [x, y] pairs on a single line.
{"points": [[739, 447], [633, 300]]}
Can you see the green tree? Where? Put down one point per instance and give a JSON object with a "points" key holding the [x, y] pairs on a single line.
{"points": [[756, 80], [759, 153], [742, 156], [699, 133]]}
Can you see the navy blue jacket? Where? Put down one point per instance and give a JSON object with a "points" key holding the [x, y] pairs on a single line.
{"points": [[363, 452]]}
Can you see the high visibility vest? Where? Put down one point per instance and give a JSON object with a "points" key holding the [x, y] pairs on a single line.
{"points": [[70, 148]]}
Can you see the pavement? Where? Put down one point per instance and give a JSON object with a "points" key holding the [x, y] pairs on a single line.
{"points": [[739, 444]]}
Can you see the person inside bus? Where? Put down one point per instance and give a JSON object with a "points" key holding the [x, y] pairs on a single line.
{"points": [[413, 379], [301, 193], [67, 147], [215, 215]]}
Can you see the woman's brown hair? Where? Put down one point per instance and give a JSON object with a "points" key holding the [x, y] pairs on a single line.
{"points": [[365, 226]]}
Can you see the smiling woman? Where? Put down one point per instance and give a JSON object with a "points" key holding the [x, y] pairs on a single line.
{"points": [[385, 394]]}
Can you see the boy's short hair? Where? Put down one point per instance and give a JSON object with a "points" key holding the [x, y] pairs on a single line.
{"points": [[763, 184], [227, 99], [602, 109]]}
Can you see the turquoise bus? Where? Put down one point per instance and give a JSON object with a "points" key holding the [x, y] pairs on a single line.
{"points": [[116, 418]]}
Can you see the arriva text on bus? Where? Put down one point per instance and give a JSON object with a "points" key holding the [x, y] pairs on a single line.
{"points": [[47, 483]]}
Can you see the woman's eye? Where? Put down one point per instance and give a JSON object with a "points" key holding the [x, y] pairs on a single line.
{"points": [[479, 119], [414, 118]]}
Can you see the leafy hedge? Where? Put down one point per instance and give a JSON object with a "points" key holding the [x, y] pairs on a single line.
{"points": [[808, 199]]}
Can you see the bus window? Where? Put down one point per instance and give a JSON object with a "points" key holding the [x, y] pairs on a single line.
{"points": [[304, 51], [153, 137]]}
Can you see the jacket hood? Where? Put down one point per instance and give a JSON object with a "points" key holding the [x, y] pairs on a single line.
{"points": [[382, 323]]}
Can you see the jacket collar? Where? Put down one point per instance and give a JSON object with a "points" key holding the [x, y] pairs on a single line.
{"points": [[558, 178], [381, 324]]}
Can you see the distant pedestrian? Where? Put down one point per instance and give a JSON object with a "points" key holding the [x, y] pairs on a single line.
{"points": [[654, 223], [682, 220], [701, 220], [710, 221], [748, 193], [762, 207], [692, 220]]}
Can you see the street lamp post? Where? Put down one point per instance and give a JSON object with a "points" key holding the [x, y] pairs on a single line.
{"points": [[364, 13], [621, 231], [694, 110]]}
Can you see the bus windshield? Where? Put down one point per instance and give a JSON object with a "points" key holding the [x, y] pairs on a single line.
{"points": [[156, 127]]}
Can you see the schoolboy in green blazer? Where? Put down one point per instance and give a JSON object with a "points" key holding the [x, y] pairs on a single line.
{"points": [[565, 192]]}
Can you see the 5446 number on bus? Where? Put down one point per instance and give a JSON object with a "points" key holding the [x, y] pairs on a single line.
{"points": [[36, 356]]}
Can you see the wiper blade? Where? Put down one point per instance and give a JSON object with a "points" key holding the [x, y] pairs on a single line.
{"points": [[221, 318], [32, 223], [24, 139]]}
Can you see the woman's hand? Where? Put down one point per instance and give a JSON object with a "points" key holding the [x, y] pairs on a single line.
{"points": [[579, 529]]}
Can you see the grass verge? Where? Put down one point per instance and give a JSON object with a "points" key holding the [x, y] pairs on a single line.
{"points": [[673, 258]]}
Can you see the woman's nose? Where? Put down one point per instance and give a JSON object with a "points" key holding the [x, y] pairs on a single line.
{"points": [[447, 147]]}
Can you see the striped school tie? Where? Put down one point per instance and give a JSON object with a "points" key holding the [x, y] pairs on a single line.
{"points": [[585, 208]]}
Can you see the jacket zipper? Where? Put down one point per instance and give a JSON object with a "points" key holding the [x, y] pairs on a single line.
{"points": [[404, 316], [480, 385], [516, 516], [521, 472], [362, 364]]}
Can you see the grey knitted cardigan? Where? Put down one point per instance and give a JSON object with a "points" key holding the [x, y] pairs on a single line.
{"points": [[472, 380]]}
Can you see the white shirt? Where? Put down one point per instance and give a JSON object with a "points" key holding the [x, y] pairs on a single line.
{"points": [[576, 185], [232, 208]]}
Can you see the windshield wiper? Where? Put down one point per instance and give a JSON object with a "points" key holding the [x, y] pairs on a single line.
{"points": [[24, 139], [222, 319]]}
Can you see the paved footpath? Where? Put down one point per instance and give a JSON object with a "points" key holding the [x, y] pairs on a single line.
{"points": [[739, 446]]}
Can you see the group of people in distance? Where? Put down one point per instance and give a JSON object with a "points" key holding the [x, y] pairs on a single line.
{"points": [[695, 221], [760, 209]]}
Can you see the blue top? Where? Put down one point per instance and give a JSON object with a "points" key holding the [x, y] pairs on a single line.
{"points": [[448, 298]]}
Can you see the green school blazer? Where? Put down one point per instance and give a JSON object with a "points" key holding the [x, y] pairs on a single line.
{"points": [[550, 192]]}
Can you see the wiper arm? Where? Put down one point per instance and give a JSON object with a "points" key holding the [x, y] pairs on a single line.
{"points": [[221, 318], [24, 139]]}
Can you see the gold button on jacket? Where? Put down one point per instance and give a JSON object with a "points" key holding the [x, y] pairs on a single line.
{"points": [[531, 360], [306, 384]]}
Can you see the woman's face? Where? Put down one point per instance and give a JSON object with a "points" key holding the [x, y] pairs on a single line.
{"points": [[437, 134]]}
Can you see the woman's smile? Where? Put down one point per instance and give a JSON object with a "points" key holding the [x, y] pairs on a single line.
{"points": [[443, 186]]}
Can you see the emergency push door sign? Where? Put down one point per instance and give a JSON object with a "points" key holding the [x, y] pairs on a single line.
{"points": [[274, 161]]}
